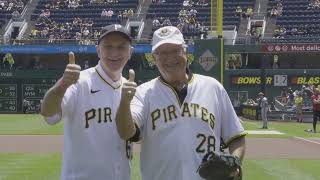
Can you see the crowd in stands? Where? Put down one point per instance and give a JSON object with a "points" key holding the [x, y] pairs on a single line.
{"points": [[296, 19], [187, 20], [240, 12], [289, 95], [56, 24], [192, 17], [46, 28], [11, 9], [303, 30], [276, 8], [234, 62], [314, 4], [12, 5]]}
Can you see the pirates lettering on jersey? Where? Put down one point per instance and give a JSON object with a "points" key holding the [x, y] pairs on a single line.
{"points": [[101, 114], [191, 110]]}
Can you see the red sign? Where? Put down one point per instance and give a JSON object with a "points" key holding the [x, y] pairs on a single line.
{"points": [[275, 48]]}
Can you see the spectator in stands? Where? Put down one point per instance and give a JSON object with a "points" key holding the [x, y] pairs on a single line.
{"points": [[104, 13], [202, 3], [309, 90], [290, 97], [120, 15], [314, 4], [34, 33], [249, 12], [166, 22], [237, 62], [8, 61], [193, 12], [231, 64], [2, 5], [85, 32], [10, 6], [274, 12], [299, 103], [11, 61], [15, 15], [239, 11], [316, 108], [5, 63], [156, 24], [130, 12], [96, 34], [110, 13], [73, 4], [186, 3], [51, 38], [125, 14]]}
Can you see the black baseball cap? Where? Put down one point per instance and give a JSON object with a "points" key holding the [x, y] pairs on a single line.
{"points": [[114, 28]]}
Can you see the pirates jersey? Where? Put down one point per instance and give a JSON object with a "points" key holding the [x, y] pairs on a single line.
{"points": [[176, 135], [92, 147]]}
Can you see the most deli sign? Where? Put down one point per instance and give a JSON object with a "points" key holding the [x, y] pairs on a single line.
{"points": [[291, 48]]}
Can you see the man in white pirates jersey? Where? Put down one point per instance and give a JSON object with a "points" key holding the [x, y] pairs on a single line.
{"points": [[179, 116], [87, 101]]}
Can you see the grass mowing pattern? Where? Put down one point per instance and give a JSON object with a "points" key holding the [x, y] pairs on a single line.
{"points": [[47, 167], [18, 124], [289, 128], [30, 166], [281, 169]]}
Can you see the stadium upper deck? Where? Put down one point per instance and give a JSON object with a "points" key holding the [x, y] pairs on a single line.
{"points": [[79, 21]]}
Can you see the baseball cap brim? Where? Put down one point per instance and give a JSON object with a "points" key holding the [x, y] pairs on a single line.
{"points": [[119, 30], [166, 41]]}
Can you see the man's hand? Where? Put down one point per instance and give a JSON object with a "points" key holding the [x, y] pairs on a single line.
{"points": [[129, 88], [51, 104], [71, 73], [125, 125]]}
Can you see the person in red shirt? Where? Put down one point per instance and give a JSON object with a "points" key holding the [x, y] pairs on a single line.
{"points": [[316, 107]]}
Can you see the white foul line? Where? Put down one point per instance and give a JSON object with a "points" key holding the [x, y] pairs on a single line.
{"points": [[303, 139]]}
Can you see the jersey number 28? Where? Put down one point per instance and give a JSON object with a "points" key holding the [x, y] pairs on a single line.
{"points": [[210, 141]]}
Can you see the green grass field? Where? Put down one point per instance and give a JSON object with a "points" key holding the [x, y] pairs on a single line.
{"points": [[289, 128], [27, 124], [47, 166], [34, 124]]}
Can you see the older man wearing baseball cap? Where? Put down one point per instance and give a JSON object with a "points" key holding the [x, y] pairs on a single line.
{"points": [[87, 101], [179, 116]]}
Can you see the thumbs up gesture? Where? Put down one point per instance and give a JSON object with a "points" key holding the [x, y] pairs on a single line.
{"points": [[129, 87], [71, 73]]}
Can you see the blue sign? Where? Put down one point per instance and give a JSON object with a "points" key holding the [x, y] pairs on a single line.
{"points": [[63, 49]]}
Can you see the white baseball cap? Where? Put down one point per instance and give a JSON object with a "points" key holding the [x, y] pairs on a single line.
{"points": [[167, 34]]}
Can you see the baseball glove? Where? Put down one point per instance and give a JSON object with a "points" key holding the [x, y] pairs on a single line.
{"points": [[220, 167]]}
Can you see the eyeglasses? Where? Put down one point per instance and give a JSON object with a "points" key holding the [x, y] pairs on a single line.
{"points": [[165, 54]]}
